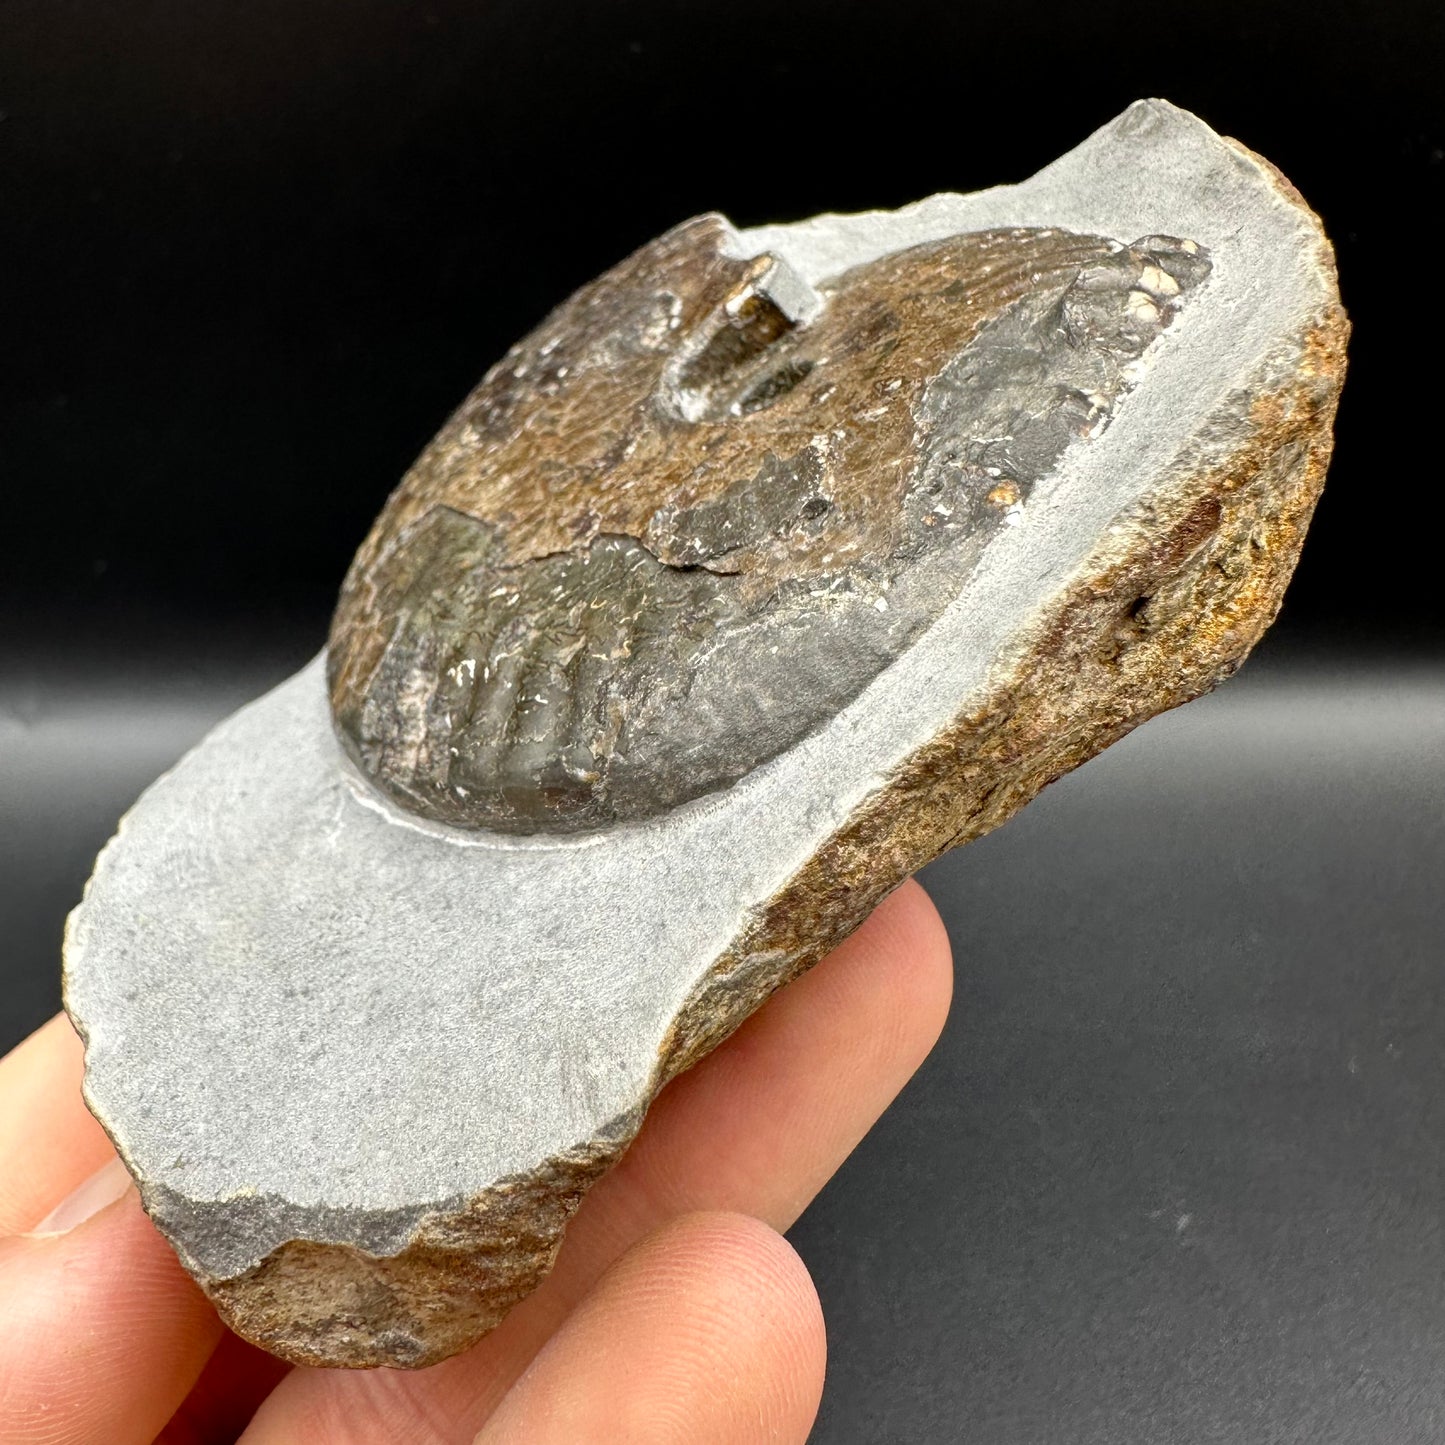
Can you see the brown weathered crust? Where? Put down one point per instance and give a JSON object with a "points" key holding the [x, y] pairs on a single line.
{"points": [[334, 1306], [1143, 629], [1146, 626]]}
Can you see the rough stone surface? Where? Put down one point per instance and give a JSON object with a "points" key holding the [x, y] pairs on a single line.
{"points": [[364, 1063]]}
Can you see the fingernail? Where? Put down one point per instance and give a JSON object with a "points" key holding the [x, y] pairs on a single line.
{"points": [[103, 1187]]}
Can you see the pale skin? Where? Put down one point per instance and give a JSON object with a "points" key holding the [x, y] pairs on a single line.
{"points": [[676, 1313]]}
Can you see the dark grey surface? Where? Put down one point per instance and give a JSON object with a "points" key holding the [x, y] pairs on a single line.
{"points": [[1174, 1173]]}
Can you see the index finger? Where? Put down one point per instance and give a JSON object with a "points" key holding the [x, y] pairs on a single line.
{"points": [[49, 1142], [101, 1331]]}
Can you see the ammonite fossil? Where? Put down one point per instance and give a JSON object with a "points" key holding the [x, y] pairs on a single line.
{"points": [[688, 518]]}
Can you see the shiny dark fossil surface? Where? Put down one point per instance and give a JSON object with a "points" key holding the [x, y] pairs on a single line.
{"points": [[694, 513]]}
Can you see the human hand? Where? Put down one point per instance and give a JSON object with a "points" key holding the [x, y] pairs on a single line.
{"points": [[676, 1312]]}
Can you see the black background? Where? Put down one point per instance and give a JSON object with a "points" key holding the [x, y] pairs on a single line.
{"points": [[253, 254], [256, 253]]}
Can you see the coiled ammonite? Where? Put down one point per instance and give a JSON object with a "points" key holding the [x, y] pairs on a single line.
{"points": [[702, 505]]}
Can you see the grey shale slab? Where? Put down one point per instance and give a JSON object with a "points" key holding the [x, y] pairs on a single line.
{"points": [[364, 1065]]}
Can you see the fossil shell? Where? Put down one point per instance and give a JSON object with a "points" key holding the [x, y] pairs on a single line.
{"points": [[694, 513]]}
